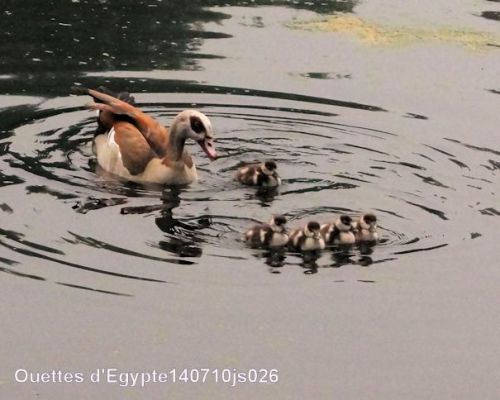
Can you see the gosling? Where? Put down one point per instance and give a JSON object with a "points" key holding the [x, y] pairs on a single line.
{"points": [[307, 238], [339, 232], [264, 174], [365, 228], [273, 234]]}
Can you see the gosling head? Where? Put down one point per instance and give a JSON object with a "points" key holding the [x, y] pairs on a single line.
{"points": [[278, 223], [312, 230], [368, 221], [344, 223], [269, 168]]}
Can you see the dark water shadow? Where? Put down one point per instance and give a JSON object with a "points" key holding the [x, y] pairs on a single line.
{"points": [[473, 147], [266, 195], [493, 15], [8, 261], [98, 244], [309, 261], [71, 285], [342, 256], [181, 237], [274, 258], [19, 238], [31, 253], [21, 274], [6, 208], [6, 180], [490, 211], [421, 249], [59, 44]]}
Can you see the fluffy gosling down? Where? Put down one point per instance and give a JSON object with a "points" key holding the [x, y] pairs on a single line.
{"points": [[307, 238], [365, 228], [339, 232], [264, 174], [269, 235]]}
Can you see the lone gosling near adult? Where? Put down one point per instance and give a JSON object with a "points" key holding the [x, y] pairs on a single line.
{"points": [[264, 174], [307, 238], [269, 235]]}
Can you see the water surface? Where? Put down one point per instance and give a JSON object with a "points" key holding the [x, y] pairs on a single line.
{"points": [[148, 276]]}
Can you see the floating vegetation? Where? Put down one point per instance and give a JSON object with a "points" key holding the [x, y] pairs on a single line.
{"points": [[381, 34]]}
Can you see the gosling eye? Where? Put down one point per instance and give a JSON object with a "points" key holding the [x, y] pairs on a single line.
{"points": [[197, 125]]}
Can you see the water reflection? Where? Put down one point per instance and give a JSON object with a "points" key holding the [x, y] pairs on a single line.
{"points": [[92, 203], [181, 237], [342, 255], [60, 43], [6, 208], [266, 195], [311, 262], [275, 258]]}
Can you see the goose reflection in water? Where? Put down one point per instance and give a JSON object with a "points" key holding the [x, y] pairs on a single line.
{"points": [[309, 261], [365, 250], [182, 238], [275, 259], [342, 255], [266, 195]]}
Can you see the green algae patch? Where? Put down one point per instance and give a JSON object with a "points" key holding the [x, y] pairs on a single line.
{"points": [[379, 34]]}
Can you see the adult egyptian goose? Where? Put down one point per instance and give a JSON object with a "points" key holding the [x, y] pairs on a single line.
{"points": [[273, 234], [133, 145], [263, 174], [339, 232], [307, 238], [365, 228]]}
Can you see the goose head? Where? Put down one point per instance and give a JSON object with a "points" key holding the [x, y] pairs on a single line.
{"points": [[192, 124]]}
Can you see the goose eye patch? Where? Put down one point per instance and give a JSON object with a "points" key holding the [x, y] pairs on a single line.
{"points": [[197, 125]]}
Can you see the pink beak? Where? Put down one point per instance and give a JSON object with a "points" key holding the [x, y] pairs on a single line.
{"points": [[208, 147]]}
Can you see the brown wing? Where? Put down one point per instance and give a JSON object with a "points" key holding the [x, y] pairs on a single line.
{"points": [[135, 150], [292, 238], [114, 109], [325, 232], [245, 174]]}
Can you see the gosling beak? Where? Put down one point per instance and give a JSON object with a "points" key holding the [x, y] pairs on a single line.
{"points": [[208, 147]]}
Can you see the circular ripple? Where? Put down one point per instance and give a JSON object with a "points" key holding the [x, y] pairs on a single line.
{"points": [[427, 195]]}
